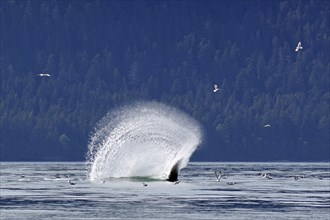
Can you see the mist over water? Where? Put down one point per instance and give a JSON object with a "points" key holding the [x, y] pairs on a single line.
{"points": [[143, 139]]}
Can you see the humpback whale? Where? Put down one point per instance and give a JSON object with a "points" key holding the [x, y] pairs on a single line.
{"points": [[173, 176]]}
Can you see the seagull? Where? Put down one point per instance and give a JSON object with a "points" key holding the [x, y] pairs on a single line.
{"points": [[72, 183], [296, 177], [144, 184], [218, 175], [267, 126], [231, 183], [266, 176], [299, 47], [320, 177], [44, 75], [23, 178], [216, 88]]}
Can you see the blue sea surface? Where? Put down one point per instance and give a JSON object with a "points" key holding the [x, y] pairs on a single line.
{"points": [[42, 191]]}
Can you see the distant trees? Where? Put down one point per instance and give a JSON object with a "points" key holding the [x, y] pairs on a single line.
{"points": [[102, 54]]}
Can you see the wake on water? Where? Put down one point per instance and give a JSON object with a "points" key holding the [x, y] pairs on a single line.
{"points": [[145, 139]]}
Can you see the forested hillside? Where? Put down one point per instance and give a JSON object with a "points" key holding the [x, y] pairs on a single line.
{"points": [[102, 54]]}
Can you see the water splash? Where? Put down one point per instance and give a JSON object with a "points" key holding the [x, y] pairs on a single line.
{"points": [[144, 139]]}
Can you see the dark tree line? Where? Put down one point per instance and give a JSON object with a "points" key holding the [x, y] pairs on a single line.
{"points": [[102, 54]]}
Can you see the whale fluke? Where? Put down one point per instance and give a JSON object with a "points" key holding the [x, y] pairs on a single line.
{"points": [[173, 176]]}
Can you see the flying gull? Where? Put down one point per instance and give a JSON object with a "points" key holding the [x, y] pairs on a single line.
{"points": [[299, 47], [218, 175], [44, 75], [216, 88], [266, 176]]}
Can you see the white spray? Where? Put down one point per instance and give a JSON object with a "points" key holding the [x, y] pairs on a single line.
{"points": [[143, 139]]}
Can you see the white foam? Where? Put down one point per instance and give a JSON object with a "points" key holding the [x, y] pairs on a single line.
{"points": [[143, 139]]}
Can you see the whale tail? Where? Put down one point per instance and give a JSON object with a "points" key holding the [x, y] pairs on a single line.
{"points": [[173, 176]]}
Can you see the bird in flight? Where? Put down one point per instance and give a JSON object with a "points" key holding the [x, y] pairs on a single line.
{"points": [[218, 175], [44, 75], [216, 88], [266, 176], [299, 47], [267, 126]]}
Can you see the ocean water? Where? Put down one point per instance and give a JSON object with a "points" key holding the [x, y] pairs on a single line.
{"points": [[42, 191]]}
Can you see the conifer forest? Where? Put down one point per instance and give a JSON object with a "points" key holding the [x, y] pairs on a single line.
{"points": [[273, 102]]}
